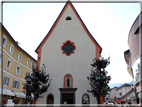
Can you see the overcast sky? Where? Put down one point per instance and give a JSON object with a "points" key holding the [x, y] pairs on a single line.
{"points": [[109, 23]]}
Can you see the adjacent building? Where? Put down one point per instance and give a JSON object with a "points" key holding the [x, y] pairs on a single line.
{"points": [[14, 64], [122, 90], [67, 52], [125, 92], [112, 94], [133, 56]]}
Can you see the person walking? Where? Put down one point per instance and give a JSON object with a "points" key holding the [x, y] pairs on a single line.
{"points": [[133, 103], [4, 102], [129, 102]]}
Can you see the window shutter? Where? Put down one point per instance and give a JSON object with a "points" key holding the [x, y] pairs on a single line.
{"points": [[4, 80], [8, 82], [17, 85], [13, 84]]}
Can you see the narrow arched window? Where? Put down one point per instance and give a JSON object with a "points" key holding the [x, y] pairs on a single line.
{"points": [[6, 81], [68, 18], [4, 40], [50, 99], [85, 99], [16, 84], [68, 81]]}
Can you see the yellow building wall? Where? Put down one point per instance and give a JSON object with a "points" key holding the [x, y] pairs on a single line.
{"points": [[14, 62]]}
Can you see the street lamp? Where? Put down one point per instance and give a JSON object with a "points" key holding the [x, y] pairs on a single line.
{"points": [[37, 83], [28, 78], [98, 77], [28, 82]]}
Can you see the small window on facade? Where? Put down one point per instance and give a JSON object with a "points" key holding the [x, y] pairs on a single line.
{"points": [[28, 62], [32, 64], [18, 70], [6, 81], [68, 18], [16, 84], [1, 57], [20, 56], [85, 99], [68, 81], [50, 99], [11, 49], [27, 72], [4, 40], [8, 64]]}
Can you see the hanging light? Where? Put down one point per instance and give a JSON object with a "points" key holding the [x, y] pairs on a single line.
{"points": [[98, 77], [28, 78]]}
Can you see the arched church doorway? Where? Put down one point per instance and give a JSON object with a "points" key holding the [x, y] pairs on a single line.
{"points": [[50, 99]]}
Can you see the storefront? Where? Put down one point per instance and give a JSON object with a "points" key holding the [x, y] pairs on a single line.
{"points": [[20, 97], [8, 94]]}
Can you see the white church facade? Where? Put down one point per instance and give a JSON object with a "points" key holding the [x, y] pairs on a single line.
{"points": [[67, 52]]}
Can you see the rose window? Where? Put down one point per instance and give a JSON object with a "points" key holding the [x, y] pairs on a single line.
{"points": [[68, 48]]}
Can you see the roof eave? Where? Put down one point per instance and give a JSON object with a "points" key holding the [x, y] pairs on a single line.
{"points": [[56, 21], [15, 41]]}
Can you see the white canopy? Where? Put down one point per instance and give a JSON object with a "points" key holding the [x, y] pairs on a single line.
{"points": [[7, 92], [19, 94], [4, 92]]}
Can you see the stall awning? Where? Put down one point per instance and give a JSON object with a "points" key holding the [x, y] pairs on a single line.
{"points": [[4, 92], [20, 95], [9, 92]]}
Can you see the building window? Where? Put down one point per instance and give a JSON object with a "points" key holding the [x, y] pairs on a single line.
{"points": [[68, 18], [85, 99], [28, 62], [50, 99], [27, 72], [18, 70], [20, 56], [16, 84], [32, 64], [1, 58], [68, 48], [8, 64], [68, 81], [4, 40], [6, 81], [11, 49]]}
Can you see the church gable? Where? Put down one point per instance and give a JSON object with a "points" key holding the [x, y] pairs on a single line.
{"points": [[67, 51], [67, 16]]}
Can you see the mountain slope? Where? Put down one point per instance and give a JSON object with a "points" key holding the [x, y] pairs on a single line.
{"points": [[119, 84]]}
